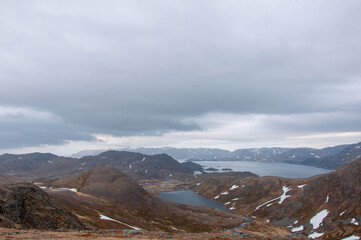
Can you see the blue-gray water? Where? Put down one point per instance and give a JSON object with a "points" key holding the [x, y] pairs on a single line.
{"points": [[190, 198], [267, 169]]}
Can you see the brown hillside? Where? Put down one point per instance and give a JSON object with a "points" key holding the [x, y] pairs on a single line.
{"points": [[294, 202], [107, 191]]}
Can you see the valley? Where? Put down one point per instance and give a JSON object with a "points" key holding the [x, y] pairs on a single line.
{"points": [[122, 192]]}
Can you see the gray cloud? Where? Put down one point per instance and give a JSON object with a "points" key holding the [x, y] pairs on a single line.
{"points": [[24, 127], [137, 68]]}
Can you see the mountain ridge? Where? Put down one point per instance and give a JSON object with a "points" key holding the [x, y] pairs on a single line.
{"points": [[304, 156]]}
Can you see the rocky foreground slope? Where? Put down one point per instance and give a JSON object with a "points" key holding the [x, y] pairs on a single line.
{"points": [[327, 205], [23, 205]]}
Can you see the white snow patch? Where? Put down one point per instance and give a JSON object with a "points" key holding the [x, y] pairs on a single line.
{"points": [[216, 197], [269, 204], [295, 222], [83, 163], [227, 203], [198, 184], [315, 155], [327, 198], [267, 220], [170, 175], [69, 189], [318, 218], [297, 229], [50, 161], [224, 193], [59, 189], [143, 159], [266, 203], [284, 196], [232, 208], [130, 166], [353, 221], [342, 213], [174, 228], [243, 186], [19, 158], [233, 187], [103, 217], [197, 172], [315, 235], [301, 186], [353, 237], [281, 198], [235, 199]]}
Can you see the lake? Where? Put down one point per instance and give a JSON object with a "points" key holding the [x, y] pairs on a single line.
{"points": [[191, 198], [267, 169]]}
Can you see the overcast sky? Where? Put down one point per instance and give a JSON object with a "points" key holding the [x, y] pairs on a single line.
{"points": [[89, 74]]}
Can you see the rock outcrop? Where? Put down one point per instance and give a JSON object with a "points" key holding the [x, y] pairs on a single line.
{"points": [[25, 205]]}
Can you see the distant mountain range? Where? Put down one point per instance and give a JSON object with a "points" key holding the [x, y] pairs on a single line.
{"points": [[177, 153], [330, 157], [136, 165]]}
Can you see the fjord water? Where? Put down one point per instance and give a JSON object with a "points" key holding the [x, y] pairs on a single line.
{"points": [[267, 169], [190, 198]]}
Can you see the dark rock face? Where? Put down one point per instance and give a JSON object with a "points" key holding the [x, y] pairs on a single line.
{"points": [[27, 206]]}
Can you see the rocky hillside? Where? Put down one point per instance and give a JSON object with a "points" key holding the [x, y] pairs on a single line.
{"points": [[326, 205], [335, 161], [24, 162], [24, 205], [105, 193]]}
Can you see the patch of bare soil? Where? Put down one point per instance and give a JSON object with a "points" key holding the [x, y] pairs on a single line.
{"points": [[126, 234]]}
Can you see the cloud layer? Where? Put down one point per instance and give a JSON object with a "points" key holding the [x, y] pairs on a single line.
{"points": [[137, 68]]}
